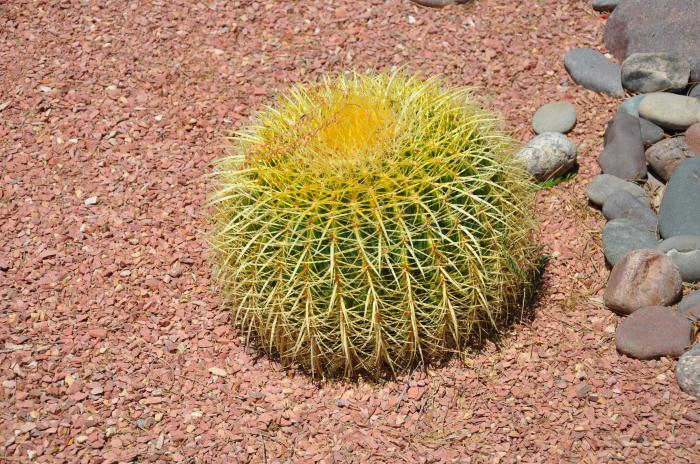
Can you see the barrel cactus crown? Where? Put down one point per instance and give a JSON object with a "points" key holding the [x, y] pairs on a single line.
{"points": [[370, 223]]}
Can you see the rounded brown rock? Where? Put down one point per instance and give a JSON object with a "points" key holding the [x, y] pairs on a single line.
{"points": [[642, 278], [652, 332]]}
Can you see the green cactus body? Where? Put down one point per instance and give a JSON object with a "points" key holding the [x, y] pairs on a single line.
{"points": [[368, 223]]}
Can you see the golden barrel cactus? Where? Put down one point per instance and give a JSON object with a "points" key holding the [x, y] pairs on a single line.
{"points": [[371, 222]]}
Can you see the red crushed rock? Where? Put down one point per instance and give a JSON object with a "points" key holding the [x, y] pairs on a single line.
{"points": [[111, 115]]}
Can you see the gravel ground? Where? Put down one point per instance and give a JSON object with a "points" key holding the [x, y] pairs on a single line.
{"points": [[112, 113]]}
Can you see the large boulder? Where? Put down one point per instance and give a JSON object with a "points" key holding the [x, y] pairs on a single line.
{"points": [[661, 26]]}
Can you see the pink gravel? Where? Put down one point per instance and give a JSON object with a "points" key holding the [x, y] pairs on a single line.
{"points": [[114, 344]]}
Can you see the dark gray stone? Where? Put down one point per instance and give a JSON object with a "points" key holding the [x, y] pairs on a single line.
{"points": [[684, 250], [670, 111], [653, 332], [695, 92], [623, 155], [679, 213], [655, 72], [688, 371], [666, 155], [548, 156], [554, 117], [651, 133], [603, 185], [663, 26], [620, 236], [622, 204], [592, 70], [604, 5]]}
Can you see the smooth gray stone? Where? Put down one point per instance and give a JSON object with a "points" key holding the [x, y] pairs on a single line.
{"points": [[695, 92], [645, 26], [651, 133], [688, 371], [666, 155], [670, 111], [603, 185], [623, 155], [684, 250], [620, 236], [622, 204], [689, 306], [631, 105], [554, 117], [592, 70], [655, 72], [604, 5], [548, 156], [679, 213], [689, 301]]}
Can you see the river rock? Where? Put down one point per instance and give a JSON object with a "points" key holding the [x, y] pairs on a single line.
{"points": [[554, 117], [695, 92], [651, 133], [692, 138], [690, 306], [655, 72], [679, 213], [670, 111], [688, 371], [621, 236], [652, 332], [666, 155], [622, 204], [604, 184], [684, 250], [631, 105], [642, 278], [548, 156], [659, 26], [623, 155], [592, 70]]}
